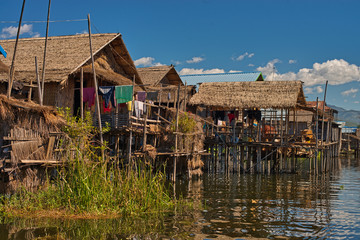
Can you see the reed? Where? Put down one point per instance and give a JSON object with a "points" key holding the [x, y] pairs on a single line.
{"points": [[88, 184]]}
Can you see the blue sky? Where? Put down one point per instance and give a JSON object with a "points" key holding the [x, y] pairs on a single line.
{"points": [[308, 40]]}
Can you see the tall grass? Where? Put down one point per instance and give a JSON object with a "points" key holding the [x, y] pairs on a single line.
{"points": [[86, 183]]}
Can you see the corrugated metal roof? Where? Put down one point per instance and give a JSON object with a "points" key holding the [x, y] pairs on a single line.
{"points": [[222, 77]]}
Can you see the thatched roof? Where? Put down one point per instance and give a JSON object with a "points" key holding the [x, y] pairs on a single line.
{"points": [[245, 95], [154, 76], [17, 112], [65, 55]]}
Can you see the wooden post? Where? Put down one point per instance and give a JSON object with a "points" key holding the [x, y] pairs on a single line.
{"points": [[281, 139], [96, 91], [44, 60], [145, 129], [30, 90], [12, 68], [185, 96], [82, 93], [130, 125], [322, 128], [158, 114], [316, 135], [38, 81], [176, 134]]}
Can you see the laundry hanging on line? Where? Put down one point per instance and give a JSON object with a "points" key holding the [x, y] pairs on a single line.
{"points": [[141, 96], [124, 94], [89, 96], [153, 96], [108, 95], [140, 108]]}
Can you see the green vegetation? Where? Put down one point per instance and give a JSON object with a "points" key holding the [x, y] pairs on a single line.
{"points": [[87, 184], [186, 124]]}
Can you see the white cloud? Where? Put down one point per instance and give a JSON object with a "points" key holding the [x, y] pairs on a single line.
{"points": [[336, 71], [251, 65], [242, 56], [82, 32], [269, 69], [319, 89], [351, 92], [292, 61], [234, 71], [357, 102], [9, 32], [146, 62], [308, 90], [176, 62], [188, 71], [195, 60]]}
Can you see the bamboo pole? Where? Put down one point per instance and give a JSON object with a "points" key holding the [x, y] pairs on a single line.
{"points": [[82, 93], [185, 96], [176, 136], [322, 128], [316, 135], [130, 134], [30, 90], [38, 81], [44, 59], [96, 92], [12, 68]]}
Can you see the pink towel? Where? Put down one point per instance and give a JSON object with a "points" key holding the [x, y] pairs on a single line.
{"points": [[89, 96]]}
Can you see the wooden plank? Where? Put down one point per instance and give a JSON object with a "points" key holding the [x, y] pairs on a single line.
{"points": [[50, 147]]}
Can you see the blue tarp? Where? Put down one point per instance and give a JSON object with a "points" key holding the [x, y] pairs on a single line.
{"points": [[2, 51]]}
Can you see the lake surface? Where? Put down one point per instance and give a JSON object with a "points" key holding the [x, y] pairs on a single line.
{"points": [[287, 206]]}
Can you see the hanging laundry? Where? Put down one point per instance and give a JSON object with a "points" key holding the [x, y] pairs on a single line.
{"points": [[169, 96], [141, 96], [106, 109], [123, 94], [89, 96], [108, 95], [140, 108], [128, 104], [153, 96]]}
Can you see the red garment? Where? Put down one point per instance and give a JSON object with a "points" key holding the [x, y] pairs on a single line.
{"points": [[89, 96], [106, 109], [231, 116]]}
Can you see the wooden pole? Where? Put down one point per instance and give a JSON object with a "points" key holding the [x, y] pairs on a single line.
{"points": [[185, 96], [44, 60], [38, 81], [30, 90], [176, 130], [316, 135], [12, 68], [130, 134], [145, 129], [322, 127], [96, 91], [82, 93]]}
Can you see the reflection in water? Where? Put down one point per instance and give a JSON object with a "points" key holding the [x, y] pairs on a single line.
{"points": [[231, 206]]}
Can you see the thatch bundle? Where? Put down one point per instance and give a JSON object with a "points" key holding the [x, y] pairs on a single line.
{"points": [[246, 95], [43, 119]]}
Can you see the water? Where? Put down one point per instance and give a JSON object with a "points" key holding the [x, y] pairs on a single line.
{"points": [[289, 206]]}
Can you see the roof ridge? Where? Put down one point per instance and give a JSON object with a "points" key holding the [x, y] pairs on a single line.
{"points": [[60, 37]]}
